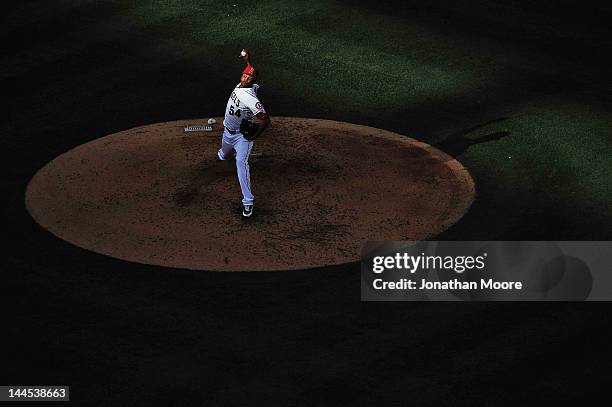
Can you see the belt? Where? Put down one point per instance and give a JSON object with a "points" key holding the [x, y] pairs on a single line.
{"points": [[232, 131]]}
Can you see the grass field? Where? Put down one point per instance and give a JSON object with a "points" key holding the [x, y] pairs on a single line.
{"points": [[518, 92], [417, 69]]}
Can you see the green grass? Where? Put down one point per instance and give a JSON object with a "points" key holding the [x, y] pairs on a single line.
{"points": [[355, 61], [562, 150], [342, 57]]}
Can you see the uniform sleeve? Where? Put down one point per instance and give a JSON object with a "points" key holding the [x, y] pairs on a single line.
{"points": [[254, 105]]}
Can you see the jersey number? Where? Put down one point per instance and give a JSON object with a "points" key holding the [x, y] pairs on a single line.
{"points": [[236, 113]]}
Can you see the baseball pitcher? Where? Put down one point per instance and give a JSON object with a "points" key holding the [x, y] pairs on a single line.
{"points": [[245, 120]]}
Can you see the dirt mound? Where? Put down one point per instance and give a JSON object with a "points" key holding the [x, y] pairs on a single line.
{"points": [[157, 194]]}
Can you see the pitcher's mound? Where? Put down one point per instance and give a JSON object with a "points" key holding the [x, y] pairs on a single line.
{"points": [[157, 195]]}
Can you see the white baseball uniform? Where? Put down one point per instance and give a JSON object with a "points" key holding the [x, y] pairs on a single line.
{"points": [[242, 104]]}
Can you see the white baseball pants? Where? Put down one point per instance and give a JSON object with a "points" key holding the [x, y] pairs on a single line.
{"points": [[231, 143]]}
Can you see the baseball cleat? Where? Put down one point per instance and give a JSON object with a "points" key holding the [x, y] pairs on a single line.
{"points": [[247, 211]]}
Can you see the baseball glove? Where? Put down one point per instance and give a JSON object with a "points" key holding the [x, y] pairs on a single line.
{"points": [[248, 129]]}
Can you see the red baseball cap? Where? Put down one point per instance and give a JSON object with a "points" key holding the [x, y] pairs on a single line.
{"points": [[249, 70]]}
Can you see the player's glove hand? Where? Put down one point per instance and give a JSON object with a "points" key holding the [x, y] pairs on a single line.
{"points": [[248, 129]]}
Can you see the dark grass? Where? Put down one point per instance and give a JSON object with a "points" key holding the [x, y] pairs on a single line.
{"points": [[428, 68], [519, 93]]}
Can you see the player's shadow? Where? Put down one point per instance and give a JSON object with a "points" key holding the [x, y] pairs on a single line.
{"points": [[458, 143], [199, 181]]}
